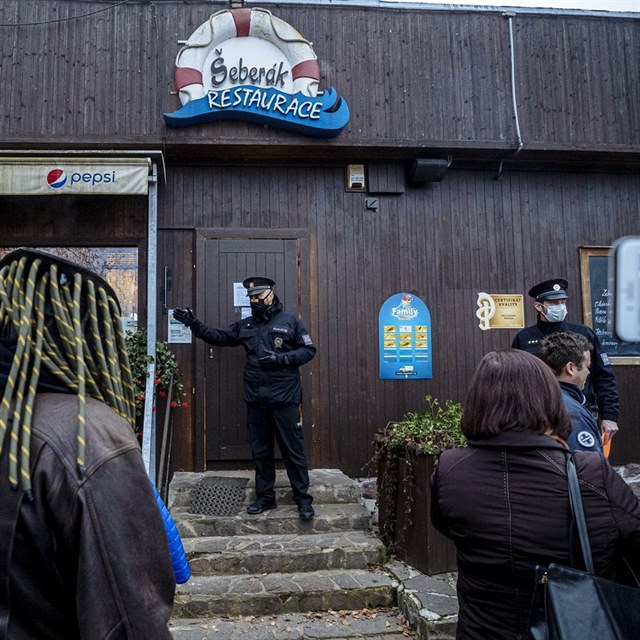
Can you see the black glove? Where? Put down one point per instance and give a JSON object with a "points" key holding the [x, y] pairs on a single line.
{"points": [[273, 360], [185, 316]]}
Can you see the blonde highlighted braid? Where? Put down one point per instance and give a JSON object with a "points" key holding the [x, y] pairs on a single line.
{"points": [[67, 320]]}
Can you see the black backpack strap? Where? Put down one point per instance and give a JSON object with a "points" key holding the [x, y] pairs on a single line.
{"points": [[10, 501], [577, 511]]}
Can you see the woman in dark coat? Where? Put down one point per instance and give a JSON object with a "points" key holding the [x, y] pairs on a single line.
{"points": [[504, 501]]}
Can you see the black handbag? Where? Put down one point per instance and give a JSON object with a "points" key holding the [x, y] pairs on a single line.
{"points": [[569, 604]]}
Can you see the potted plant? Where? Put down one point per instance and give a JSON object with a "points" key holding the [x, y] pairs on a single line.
{"points": [[406, 453], [167, 374]]}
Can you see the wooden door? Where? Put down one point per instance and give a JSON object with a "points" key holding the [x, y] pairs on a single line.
{"points": [[227, 262]]}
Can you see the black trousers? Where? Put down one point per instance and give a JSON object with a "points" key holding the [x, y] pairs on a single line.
{"points": [[282, 424]]}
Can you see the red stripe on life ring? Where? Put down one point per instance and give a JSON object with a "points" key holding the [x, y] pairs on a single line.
{"points": [[242, 18], [306, 69], [186, 76]]}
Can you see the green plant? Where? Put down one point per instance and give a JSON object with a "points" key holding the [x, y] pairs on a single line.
{"points": [[431, 430], [166, 368]]}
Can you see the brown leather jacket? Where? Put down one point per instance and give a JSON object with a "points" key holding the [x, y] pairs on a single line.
{"points": [[89, 558], [504, 502]]}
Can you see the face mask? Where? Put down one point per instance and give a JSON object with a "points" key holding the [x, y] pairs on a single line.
{"points": [[556, 313], [259, 305]]}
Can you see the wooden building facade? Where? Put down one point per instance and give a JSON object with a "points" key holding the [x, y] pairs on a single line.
{"points": [[536, 114]]}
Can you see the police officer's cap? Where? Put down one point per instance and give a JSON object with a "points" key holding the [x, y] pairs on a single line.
{"points": [[257, 285], [555, 289]]}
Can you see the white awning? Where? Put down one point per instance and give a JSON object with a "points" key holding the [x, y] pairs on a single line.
{"points": [[74, 176]]}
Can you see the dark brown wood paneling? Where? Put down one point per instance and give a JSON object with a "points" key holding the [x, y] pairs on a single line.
{"points": [[414, 79], [81, 220], [577, 80], [443, 242], [385, 177]]}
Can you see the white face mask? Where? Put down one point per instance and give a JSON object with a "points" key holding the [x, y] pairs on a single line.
{"points": [[556, 313]]}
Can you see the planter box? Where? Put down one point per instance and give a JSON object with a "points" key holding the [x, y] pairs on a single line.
{"points": [[413, 538]]}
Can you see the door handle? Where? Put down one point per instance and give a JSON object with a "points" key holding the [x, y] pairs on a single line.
{"points": [[210, 353]]}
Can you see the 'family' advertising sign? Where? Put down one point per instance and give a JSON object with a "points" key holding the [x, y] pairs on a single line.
{"points": [[405, 338], [246, 64]]}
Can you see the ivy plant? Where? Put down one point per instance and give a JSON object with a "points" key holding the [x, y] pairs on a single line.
{"points": [[429, 431]]}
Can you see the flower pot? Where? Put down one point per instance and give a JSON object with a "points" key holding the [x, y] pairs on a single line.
{"points": [[404, 507]]}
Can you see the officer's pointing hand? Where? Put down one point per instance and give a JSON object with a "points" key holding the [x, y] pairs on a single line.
{"points": [[185, 316]]}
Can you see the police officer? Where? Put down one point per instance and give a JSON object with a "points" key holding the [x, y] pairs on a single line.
{"points": [[276, 345], [550, 303]]}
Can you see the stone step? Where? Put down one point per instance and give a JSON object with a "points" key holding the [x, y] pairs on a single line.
{"points": [[382, 624], [283, 520], [216, 555], [278, 593], [326, 485]]}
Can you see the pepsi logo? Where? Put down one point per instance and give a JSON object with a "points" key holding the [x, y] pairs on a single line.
{"points": [[56, 178]]}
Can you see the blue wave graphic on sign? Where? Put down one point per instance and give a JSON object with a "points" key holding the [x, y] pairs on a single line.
{"points": [[324, 115]]}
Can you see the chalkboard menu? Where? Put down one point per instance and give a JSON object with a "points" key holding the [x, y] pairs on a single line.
{"points": [[597, 299]]}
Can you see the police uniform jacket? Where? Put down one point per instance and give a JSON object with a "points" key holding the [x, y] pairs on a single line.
{"points": [[504, 502], [600, 389], [585, 434], [276, 332]]}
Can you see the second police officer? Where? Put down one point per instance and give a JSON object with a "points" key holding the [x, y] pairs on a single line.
{"points": [[601, 392]]}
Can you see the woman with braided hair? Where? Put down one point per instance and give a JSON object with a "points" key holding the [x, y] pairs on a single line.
{"points": [[84, 553]]}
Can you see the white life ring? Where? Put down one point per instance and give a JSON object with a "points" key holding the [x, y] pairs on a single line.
{"points": [[238, 23]]}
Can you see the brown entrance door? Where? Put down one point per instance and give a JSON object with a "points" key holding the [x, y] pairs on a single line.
{"points": [[226, 263]]}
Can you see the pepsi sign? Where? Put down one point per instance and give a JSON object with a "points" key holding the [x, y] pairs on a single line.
{"points": [[74, 177], [57, 178]]}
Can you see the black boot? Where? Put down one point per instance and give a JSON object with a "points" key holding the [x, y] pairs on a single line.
{"points": [[260, 505], [306, 511]]}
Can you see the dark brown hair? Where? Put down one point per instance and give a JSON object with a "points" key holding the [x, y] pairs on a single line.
{"points": [[513, 390], [562, 347]]}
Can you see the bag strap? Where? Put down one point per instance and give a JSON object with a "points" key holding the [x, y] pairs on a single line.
{"points": [[575, 500], [10, 501]]}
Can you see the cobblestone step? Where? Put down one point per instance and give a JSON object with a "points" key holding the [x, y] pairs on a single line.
{"points": [[278, 593], [283, 520], [216, 555], [376, 624], [328, 486], [279, 577]]}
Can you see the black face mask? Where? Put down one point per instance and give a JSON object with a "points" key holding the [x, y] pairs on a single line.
{"points": [[260, 306]]}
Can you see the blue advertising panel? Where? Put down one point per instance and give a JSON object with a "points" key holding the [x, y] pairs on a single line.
{"points": [[404, 325]]}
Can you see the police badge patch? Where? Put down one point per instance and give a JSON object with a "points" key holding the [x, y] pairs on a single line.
{"points": [[306, 338], [586, 439], [277, 342]]}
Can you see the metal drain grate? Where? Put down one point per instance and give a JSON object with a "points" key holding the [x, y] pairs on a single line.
{"points": [[218, 496]]}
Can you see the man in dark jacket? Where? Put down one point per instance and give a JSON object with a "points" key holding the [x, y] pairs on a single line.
{"points": [[550, 303], [569, 356], [84, 553], [276, 344]]}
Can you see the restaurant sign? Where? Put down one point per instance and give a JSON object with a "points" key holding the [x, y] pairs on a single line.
{"points": [[246, 64]]}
